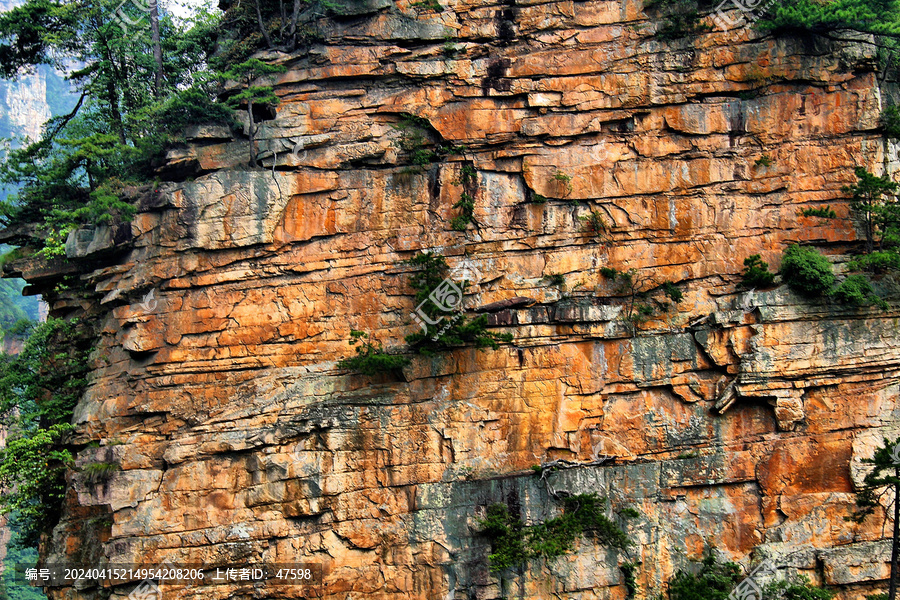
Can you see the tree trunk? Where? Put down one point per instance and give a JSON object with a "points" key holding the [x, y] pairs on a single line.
{"points": [[895, 542], [262, 26], [293, 30], [252, 133], [157, 47], [112, 94]]}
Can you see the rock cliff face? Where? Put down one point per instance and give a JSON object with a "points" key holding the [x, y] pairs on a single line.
{"points": [[736, 419]]}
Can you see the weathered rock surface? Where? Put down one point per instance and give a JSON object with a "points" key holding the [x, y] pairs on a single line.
{"points": [[736, 420]]}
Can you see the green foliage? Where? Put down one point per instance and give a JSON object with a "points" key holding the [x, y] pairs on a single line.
{"points": [[17, 555], [877, 262], [756, 273], [371, 358], [595, 224], [34, 32], [468, 179], [450, 48], [681, 18], [513, 542], [764, 161], [117, 132], [563, 180], [32, 475], [870, 16], [797, 589], [883, 475], [890, 121], [556, 279], [806, 271], [185, 108], [874, 203], [246, 73], [538, 199], [628, 570], [427, 5], [38, 391], [671, 291], [415, 134], [99, 472], [822, 213], [638, 292], [712, 581], [856, 290], [445, 329], [298, 27]]}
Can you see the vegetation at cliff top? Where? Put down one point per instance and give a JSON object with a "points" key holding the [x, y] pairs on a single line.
{"points": [[870, 16], [513, 542], [139, 88]]}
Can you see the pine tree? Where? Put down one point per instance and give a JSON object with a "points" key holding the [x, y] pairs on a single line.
{"points": [[884, 482], [246, 73], [875, 204]]}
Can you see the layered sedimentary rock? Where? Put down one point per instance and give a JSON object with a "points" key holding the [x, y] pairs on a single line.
{"points": [[736, 419]]}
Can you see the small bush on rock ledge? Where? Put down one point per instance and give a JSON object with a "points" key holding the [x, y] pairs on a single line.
{"points": [[756, 272], [513, 542], [439, 311], [371, 358], [806, 271]]}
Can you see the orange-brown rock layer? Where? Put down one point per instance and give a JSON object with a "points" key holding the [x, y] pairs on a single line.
{"points": [[736, 420]]}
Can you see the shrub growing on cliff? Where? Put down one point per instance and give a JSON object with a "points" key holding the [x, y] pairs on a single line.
{"points": [[856, 290], [822, 213], [796, 589], [681, 18], [440, 312], [756, 273], [468, 179], [371, 358], [877, 262], [806, 271], [638, 292], [513, 542], [596, 225], [890, 121], [712, 581]]}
